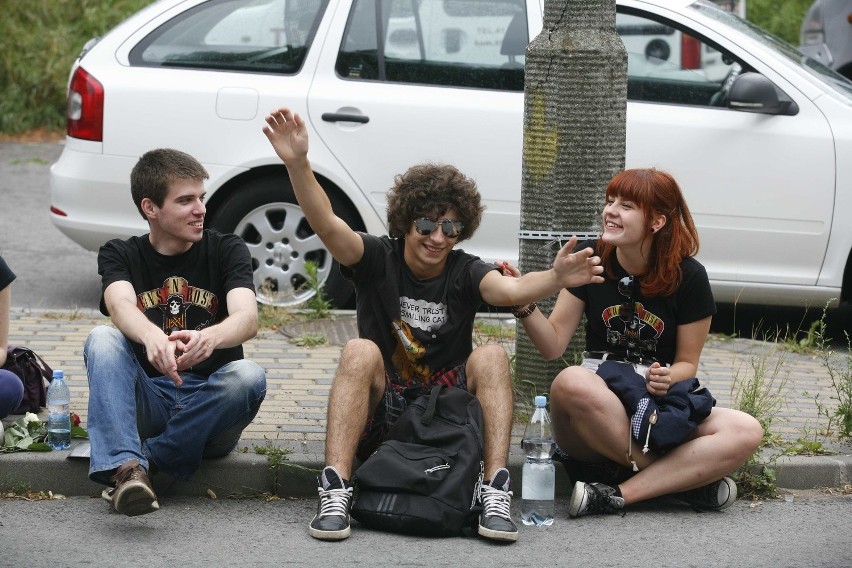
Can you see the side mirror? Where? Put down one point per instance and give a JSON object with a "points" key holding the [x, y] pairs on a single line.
{"points": [[752, 92]]}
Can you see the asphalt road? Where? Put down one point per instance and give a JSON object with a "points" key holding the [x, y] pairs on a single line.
{"points": [[811, 529], [52, 271]]}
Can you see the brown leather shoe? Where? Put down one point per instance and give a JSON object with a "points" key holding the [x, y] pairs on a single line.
{"points": [[132, 494]]}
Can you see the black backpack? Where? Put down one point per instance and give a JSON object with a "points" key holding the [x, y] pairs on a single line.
{"points": [[424, 478]]}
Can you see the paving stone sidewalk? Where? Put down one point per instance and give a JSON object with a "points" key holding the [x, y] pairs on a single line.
{"points": [[299, 378]]}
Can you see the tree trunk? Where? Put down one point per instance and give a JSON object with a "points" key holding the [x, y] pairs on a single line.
{"points": [[575, 100]]}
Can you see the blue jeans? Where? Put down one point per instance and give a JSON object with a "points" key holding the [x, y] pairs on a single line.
{"points": [[133, 416], [11, 393]]}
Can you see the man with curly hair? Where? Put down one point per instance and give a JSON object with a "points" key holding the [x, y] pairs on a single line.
{"points": [[417, 298]]}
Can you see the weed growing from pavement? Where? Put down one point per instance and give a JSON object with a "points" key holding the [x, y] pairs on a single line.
{"points": [[319, 306], [806, 447], [840, 373], [757, 480], [275, 457], [310, 340], [761, 391], [811, 342]]}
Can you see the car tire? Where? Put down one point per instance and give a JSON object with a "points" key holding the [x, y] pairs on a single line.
{"points": [[265, 214]]}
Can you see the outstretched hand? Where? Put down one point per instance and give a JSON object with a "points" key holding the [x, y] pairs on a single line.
{"points": [[577, 268], [288, 135]]}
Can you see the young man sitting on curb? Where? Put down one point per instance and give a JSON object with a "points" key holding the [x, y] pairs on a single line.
{"points": [[417, 298], [168, 385]]}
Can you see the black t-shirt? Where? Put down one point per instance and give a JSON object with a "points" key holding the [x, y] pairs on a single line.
{"points": [[421, 326], [184, 291], [6, 274], [658, 317]]}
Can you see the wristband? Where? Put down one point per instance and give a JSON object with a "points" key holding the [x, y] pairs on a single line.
{"points": [[522, 312]]}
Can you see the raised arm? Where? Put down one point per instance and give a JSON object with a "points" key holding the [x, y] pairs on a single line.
{"points": [[289, 137]]}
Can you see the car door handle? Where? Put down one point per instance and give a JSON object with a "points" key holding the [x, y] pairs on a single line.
{"points": [[341, 117]]}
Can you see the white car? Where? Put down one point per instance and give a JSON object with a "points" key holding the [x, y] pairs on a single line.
{"points": [[758, 135]]}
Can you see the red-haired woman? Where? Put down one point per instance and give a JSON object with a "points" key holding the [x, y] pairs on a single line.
{"points": [[652, 315]]}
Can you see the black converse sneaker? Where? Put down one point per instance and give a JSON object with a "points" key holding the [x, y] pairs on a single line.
{"points": [[335, 496], [590, 498], [495, 522], [713, 496]]}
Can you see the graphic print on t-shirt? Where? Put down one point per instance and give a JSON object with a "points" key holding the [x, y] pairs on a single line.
{"points": [[638, 334], [415, 314], [177, 305]]}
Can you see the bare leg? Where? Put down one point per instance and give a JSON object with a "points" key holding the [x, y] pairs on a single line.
{"points": [[489, 380], [355, 393], [590, 423], [722, 443]]}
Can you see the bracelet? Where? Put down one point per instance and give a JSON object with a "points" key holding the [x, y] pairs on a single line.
{"points": [[522, 312]]}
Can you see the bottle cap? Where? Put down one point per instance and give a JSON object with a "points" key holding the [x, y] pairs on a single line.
{"points": [[58, 374], [540, 401]]}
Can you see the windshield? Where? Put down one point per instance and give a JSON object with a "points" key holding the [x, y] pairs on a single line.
{"points": [[835, 80]]}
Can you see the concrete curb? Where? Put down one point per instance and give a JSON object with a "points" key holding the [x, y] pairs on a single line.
{"points": [[247, 474]]}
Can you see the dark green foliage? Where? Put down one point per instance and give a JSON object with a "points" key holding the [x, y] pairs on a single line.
{"points": [[39, 40], [780, 17]]}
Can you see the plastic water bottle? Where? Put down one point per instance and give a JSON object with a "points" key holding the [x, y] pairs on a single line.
{"points": [[59, 413], [538, 474]]}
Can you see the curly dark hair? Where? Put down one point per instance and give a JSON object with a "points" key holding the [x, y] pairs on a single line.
{"points": [[430, 190]]}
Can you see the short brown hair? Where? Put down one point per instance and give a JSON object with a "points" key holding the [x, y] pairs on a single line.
{"points": [[156, 169]]}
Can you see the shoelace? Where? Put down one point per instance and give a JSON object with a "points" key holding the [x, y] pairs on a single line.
{"points": [[334, 502], [496, 502]]}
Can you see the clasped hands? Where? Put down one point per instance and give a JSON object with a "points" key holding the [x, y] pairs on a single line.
{"points": [[179, 351]]}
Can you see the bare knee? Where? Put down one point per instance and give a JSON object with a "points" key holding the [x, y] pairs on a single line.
{"points": [[361, 360], [748, 430], [488, 366], [572, 386]]}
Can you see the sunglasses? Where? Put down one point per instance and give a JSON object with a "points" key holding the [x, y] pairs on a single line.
{"points": [[451, 228], [627, 287]]}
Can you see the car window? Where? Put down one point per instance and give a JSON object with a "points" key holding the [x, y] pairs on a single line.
{"points": [[455, 43], [258, 35], [668, 65]]}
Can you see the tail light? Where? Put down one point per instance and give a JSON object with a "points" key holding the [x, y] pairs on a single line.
{"points": [[85, 117], [690, 52]]}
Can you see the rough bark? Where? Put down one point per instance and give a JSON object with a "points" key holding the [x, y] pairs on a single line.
{"points": [[574, 141]]}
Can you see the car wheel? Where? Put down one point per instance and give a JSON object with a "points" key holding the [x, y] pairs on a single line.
{"points": [[265, 214]]}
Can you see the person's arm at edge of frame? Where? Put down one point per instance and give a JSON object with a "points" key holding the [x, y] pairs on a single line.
{"points": [[5, 304], [288, 135], [120, 301]]}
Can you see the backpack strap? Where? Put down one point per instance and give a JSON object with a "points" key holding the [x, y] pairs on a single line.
{"points": [[433, 403]]}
